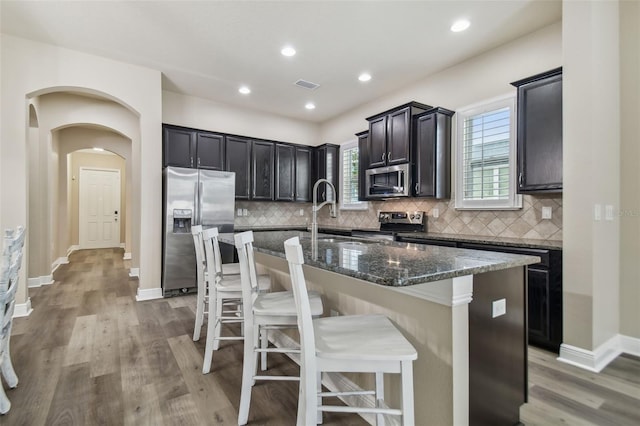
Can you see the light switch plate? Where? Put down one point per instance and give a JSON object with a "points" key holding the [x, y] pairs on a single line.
{"points": [[301, 212], [498, 307], [608, 212], [597, 212], [546, 212], [239, 212], [245, 212], [435, 213]]}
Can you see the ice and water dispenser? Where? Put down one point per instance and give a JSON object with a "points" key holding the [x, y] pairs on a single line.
{"points": [[182, 221]]}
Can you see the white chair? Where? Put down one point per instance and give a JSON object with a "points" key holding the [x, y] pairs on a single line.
{"points": [[262, 312], [224, 295], [202, 299], [353, 343], [11, 262]]}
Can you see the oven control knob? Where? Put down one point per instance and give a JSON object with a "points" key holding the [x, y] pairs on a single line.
{"points": [[413, 216], [418, 216]]}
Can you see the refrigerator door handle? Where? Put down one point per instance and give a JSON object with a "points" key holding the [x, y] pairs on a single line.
{"points": [[200, 190], [196, 209]]}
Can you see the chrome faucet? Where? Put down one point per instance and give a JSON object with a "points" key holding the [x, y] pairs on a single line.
{"points": [[316, 207]]}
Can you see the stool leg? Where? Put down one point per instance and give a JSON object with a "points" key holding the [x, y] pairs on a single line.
{"points": [[248, 369], [264, 343], [199, 315], [379, 397], [407, 393], [209, 347], [8, 372], [217, 330], [319, 389]]}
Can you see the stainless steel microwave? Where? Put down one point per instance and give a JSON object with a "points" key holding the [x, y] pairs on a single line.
{"points": [[388, 182]]}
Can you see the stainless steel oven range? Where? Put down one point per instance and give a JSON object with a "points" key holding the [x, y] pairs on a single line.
{"points": [[393, 222]]}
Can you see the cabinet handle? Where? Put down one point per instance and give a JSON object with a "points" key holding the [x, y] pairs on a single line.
{"points": [[198, 161], [323, 195], [520, 179], [384, 154], [191, 161], [389, 156], [417, 186]]}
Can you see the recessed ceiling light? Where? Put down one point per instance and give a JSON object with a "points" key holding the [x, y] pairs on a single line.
{"points": [[244, 90], [460, 25], [364, 77], [310, 105], [288, 51]]}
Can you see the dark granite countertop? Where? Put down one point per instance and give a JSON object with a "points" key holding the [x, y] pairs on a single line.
{"points": [[387, 263], [496, 241]]}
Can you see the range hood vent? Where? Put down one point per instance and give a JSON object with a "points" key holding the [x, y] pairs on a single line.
{"points": [[306, 84]]}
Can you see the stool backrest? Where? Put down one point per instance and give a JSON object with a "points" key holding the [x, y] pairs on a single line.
{"points": [[248, 274], [212, 252], [196, 232], [10, 264], [295, 258]]}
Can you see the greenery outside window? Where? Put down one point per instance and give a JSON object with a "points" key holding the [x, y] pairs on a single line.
{"points": [[349, 174], [486, 156]]}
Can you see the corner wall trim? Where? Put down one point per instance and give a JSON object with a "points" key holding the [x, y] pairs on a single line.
{"points": [[22, 309], [72, 249], [148, 294], [134, 272], [601, 356], [127, 256]]}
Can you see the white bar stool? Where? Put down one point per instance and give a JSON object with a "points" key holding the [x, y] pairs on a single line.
{"points": [[263, 312], [353, 343], [224, 295], [10, 266]]}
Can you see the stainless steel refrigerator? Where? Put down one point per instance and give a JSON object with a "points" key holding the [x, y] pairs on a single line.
{"points": [[192, 197]]}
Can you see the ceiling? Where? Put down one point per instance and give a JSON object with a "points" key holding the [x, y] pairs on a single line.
{"points": [[209, 49]]}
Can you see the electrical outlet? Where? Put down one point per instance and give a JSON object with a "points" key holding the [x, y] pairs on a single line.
{"points": [[597, 212], [245, 212], [239, 212], [435, 213], [546, 212], [498, 307], [608, 212], [301, 212]]}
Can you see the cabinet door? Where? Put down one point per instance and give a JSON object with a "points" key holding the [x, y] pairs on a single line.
{"points": [[179, 147], [539, 324], [398, 137], [303, 174], [363, 161], [425, 157], [326, 167], [238, 160], [210, 151], [285, 172], [377, 144], [262, 170], [540, 135]]}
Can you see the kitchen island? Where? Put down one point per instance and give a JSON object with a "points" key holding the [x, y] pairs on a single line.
{"points": [[471, 366]]}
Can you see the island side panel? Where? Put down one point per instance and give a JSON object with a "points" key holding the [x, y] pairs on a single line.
{"points": [[429, 326], [498, 348]]}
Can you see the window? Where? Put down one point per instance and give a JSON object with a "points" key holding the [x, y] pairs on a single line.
{"points": [[485, 156], [349, 177]]}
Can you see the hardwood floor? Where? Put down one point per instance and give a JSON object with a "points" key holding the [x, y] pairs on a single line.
{"points": [[89, 354]]}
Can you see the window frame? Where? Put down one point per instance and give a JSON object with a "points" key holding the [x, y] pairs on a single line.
{"points": [[359, 205], [514, 200]]}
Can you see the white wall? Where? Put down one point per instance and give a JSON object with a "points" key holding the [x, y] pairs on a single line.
{"points": [[477, 79], [31, 69], [203, 114]]}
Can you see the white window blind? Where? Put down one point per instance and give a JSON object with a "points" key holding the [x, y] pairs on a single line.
{"points": [[349, 177], [486, 157]]}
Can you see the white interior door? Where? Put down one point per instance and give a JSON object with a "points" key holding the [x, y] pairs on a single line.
{"points": [[99, 206]]}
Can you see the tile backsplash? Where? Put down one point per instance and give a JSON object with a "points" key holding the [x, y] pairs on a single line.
{"points": [[524, 223]]}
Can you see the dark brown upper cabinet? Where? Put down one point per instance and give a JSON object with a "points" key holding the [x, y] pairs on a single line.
{"points": [[303, 173], [210, 151], [539, 146], [285, 172], [363, 161], [326, 167], [432, 154], [262, 162], [179, 146], [238, 160], [390, 135]]}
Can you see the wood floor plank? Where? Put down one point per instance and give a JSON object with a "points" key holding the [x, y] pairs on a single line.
{"points": [[142, 407], [105, 351], [71, 397], [79, 348], [541, 377], [182, 410], [106, 405]]}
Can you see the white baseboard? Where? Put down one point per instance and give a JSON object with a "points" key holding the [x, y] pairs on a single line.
{"points": [[599, 358], [22, 309], [333, 381], [71, 249], [127, 256], [148, 294], [134, 272], [121, 245], [40, 281]]}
